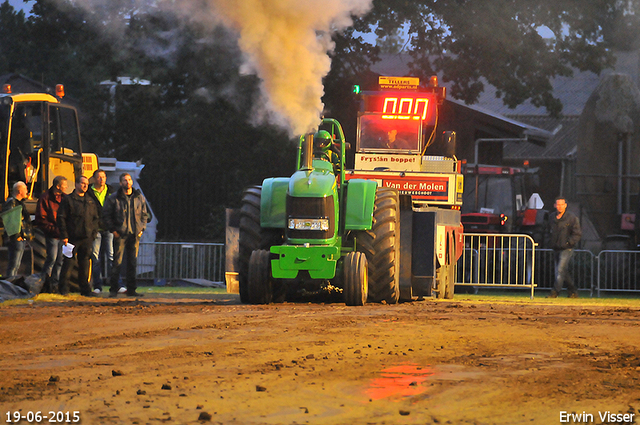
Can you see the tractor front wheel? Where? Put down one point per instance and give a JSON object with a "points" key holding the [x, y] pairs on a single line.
{"points": [[356, 285], [260, 286], [381, 246]]}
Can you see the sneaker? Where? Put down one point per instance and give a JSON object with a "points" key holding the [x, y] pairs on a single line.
{"points": [[122, 290], [573, 295], [134, 294], [553, 294], [97, 291]]}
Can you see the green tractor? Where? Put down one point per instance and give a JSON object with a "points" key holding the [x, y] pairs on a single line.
{"points": [[315, 229]]}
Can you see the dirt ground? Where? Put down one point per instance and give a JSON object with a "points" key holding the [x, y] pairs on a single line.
{"points": [[210, 359]]}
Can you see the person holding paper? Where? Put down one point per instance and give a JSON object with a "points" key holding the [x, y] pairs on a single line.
{"points": [[14, 210], [78, 221]]}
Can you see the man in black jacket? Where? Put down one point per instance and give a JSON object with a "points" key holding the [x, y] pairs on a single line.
{"points": [[565, 235], [125, 215], [78, 223]]}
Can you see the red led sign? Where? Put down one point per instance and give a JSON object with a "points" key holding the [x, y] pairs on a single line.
{"points": [[403, 106]]}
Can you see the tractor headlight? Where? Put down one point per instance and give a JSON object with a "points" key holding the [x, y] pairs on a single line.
{"points": [[309, 224]]}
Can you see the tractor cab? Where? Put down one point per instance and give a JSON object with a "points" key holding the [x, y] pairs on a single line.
{"points": [[40, 140], [378, 134]]}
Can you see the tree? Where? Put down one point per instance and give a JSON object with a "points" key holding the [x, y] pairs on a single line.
{"points": [[13, 32], [466, 41]]}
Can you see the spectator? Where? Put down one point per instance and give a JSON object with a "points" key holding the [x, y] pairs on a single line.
{"points": [[46, 220], [102, 254], [78, 222], [17, 241], [565, 235], [125, 214]]}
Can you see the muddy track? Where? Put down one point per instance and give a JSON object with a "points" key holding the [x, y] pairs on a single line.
{"points": [[211, 359]]}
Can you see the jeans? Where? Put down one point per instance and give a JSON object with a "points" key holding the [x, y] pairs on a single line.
{"points": [[16, 249], [101, 258], [126, 246], [53, 262], [82, 255], [562, 259]]}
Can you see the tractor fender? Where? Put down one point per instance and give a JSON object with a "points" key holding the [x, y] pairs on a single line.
{"points": [[359, 204], [273, 202]]}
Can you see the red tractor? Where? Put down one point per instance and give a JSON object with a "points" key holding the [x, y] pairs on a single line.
{"points": [[499, 199]]}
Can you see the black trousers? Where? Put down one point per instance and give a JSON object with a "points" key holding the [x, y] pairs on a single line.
{"points": [[126, 246], [81, 256]]}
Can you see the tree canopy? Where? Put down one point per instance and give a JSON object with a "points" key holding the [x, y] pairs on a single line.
{"points": [[498, 41]]}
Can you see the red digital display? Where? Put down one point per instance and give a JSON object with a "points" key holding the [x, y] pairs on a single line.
{"points": [[403, 106]]}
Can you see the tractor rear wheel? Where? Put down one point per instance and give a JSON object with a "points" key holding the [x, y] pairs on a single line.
{"points": [[252, 237], [39, 246], [355, 279], [260, 286], [381, 246]]}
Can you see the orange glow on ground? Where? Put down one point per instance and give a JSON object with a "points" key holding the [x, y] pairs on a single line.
{"points": [[399, 381]]}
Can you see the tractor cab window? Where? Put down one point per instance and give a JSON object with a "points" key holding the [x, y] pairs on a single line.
{"points": [[4, 123], [520, 194], [382, 133], [64, 130], [25, 140], [26, 128], [494, 195]]}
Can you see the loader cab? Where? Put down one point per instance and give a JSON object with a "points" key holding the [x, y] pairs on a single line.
{"points": [[40, 140]]}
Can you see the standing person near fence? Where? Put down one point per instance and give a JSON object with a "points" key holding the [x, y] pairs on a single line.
{"points": [[102, 255], [565, 235], [125, 214], [46, 220], [24, 233], [78, 222]]}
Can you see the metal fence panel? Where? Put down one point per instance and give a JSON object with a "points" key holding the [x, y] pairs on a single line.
{"points": [[488, 260], [503, 260], [181, 260], [618, 271], [583, 267]]}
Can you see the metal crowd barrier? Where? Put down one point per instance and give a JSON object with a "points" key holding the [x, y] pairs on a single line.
{"points": [[583, 268], [488, 260], [181, 260], [497, 260]]}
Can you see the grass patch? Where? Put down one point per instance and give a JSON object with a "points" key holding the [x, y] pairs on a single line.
{"points": [[524, 296], [180, 290]]}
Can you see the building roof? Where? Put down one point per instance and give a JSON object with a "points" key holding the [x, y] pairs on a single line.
{"points": [[572, 91], [562, 144]]}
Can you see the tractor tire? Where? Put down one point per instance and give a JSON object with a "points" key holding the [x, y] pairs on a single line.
{"points": [[39, 246], [252, 237], [381, 246], [355, 279], [259, 283]]}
